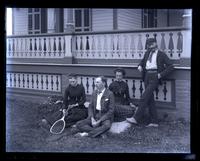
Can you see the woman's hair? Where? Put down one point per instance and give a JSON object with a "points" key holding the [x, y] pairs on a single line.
{"points": [[120, 70], [72, 75]]}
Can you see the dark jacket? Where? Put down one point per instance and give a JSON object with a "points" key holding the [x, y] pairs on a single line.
{"points": [[107, 105], [121, 92], [74, 95], [164, 64]]}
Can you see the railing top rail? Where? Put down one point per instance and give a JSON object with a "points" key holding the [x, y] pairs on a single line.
{"points": [[103, 32], [89, 65], [134, 31]]}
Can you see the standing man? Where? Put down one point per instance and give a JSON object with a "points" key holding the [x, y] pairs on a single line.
{"points": [[100, 111], [155, 66]]}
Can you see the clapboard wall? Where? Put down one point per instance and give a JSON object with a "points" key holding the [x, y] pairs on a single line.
{"points": [[129, 19], [20, 21], [102, 19]]}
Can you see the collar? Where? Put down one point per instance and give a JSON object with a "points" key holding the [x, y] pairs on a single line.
{"points": [[101, 92]]}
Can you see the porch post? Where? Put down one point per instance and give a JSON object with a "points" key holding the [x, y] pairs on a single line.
{"points": [[187, 18], [68, 49]]}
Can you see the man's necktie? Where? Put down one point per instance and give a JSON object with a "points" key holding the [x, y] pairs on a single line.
{"points": [[150, 56], [99, 92]]}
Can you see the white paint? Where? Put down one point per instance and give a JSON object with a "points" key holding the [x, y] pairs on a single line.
{"points": [[8, 21]]}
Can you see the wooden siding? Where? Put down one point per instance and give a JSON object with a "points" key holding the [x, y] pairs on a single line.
{"points": [[129, 19], [162, 18], [175, 17], [20, 21], [102, 19]]}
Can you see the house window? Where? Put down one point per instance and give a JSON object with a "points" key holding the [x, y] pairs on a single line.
{"points": [[82, 20], [149, 18], [59, 20], [37, 21]]}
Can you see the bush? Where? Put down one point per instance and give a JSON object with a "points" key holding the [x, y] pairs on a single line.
{"points": [[51, 105]]}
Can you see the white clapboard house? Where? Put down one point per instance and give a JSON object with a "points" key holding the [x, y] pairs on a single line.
{"points": [[49, 43]]}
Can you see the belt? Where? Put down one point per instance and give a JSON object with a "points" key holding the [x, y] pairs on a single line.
{"points": [[152, 71]]}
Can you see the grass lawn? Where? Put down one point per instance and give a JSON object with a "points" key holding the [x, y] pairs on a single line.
{"points": [[24, 135]]}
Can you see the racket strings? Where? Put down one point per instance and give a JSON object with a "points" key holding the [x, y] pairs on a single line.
{"points": [[57, 127]]}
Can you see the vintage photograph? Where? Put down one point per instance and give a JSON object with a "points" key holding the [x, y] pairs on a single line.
{"points": [[98, 80]]}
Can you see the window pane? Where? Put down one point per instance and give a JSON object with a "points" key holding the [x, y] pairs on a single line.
{"points": [[37, 9], [29, 10], [151, 18], [86, 17], [30, 22], [145, 21], [77, 29], [78, 18], [37, 21]]}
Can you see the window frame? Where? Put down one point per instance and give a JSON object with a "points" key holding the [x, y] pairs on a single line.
{"points": [[82, 27], [147, 18]]}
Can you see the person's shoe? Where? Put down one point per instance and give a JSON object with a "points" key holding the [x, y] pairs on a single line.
{"points": [[44, 125], [131, 120], [81, 134], [152, 125]]}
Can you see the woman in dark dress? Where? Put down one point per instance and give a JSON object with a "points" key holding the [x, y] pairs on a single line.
{"points": [[124, 106], [74, 98]]}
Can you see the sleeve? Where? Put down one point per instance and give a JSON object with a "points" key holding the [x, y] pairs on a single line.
{"points": [[127, 94], [66, 94], [110, 87], [142, 61], [83, 96], [168, 66], [91, 107], [110, 112]]}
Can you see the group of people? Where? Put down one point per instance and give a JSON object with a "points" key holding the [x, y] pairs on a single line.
{"points": [[97, 118]]}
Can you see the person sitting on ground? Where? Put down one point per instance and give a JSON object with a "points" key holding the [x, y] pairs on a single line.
{"points": [[124, 106], [74, 98], [100, 111]]}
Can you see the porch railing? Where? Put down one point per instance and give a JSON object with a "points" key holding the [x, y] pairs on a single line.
{"points": [[100, 45], [52, 83]]}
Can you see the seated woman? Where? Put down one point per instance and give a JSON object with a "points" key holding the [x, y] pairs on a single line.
{"points": [[74, 98], [124, 107]]}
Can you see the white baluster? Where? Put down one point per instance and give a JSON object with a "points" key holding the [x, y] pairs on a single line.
{"points": [[62, 47], [90, 46], [8, 78], [49, 83], [59, 83], [78, 41]]}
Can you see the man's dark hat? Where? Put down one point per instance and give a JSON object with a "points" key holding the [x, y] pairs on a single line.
{"points": [[150, 41], [120, 70]]}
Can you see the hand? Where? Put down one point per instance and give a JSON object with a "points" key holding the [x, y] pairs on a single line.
{"points": [[94, 122], [132, 105], [73, 105], [65, 111], [140, 68], [159, 76], [70, 106]]}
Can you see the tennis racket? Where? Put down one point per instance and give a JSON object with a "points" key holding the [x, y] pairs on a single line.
{"points": [[59, 126]]}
